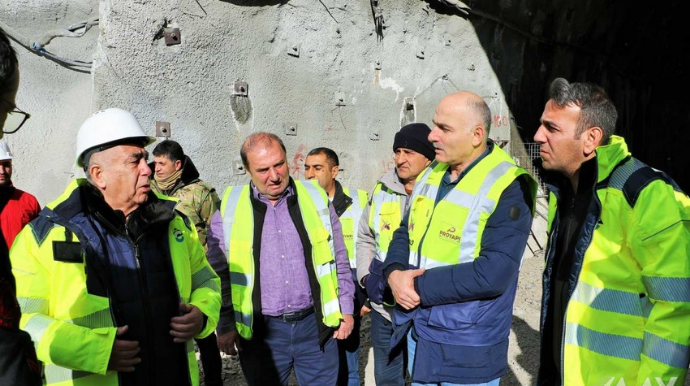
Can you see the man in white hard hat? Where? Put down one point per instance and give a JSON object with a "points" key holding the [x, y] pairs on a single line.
{"points": [[17, 207], [112, 281]]}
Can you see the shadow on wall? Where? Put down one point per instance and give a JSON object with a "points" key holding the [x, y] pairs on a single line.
{"points": [[255, 3]]}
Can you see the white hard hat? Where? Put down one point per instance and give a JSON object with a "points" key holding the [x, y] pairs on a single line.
{"points": [[107, 126], [5, 152]]}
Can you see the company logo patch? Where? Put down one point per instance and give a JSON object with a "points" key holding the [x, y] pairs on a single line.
{"points": [[449, 235], [178, 235]]}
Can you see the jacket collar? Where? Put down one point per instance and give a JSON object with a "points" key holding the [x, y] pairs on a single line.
{"points": [[190, 174], [341, 201], [607, 158]]}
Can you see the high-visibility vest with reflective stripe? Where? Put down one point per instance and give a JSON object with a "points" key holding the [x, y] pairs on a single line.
{"points": [[238, 233], [450, 232], [73, 329], [350, 220], [612, 336], [385, 215]]}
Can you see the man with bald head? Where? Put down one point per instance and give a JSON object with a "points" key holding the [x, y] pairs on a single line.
{"points": [[453, 263], [278, 246]]}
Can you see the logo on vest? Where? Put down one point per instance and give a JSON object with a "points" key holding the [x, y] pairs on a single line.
{"points": [[178, 235], [449, 235], [385, 226]]}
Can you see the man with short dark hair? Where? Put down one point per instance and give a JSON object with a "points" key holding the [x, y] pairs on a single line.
{"points": [[18, 364], [176, 176], [323, 165], [616, 300], [112, 281], [278, 246]]}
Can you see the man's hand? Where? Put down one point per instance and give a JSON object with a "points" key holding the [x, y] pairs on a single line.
{"points": [[364, 310], [229, 343], [402, 285], [123, 357], [188, 325], [345, 328]]}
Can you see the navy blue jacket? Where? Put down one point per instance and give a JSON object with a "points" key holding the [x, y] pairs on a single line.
{"points": [[463, 322]]}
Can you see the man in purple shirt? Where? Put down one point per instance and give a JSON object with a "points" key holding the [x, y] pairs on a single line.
{"points": [[283, 306]]}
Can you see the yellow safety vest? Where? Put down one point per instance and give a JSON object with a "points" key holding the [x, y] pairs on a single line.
{"points": [[385, 215], [350, 219], [628, 319], [73, 329], [452, 230], [238, 232]]}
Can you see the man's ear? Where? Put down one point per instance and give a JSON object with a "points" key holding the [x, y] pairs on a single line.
{"points": [[178, 165], [96, 172], [334, 171], [593, 137], [478, 134]]}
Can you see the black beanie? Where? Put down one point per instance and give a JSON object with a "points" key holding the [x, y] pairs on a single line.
{"points": [[415, 136]]}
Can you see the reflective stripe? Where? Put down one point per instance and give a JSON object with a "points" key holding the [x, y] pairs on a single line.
{"points": [[665, 351], [56, 374], [243, 318], [320, 201], [606, 344], [481, 204], [229, 215], [98, 319], [190, 346], [37, 325], [204, 279], [670, 289], [414, 259], [606, 299], [33, 305], [331, 307], [324, 269], [237, 278]]}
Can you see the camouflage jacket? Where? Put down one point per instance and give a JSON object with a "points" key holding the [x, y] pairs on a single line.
{"points": [[197, 199]]}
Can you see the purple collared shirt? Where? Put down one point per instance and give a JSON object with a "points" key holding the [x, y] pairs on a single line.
{"points": [[283, 274]]}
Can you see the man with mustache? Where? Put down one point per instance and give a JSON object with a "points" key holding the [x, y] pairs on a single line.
{"points": [[453, 264], [287, 285], [413, 153], [112, 281]]}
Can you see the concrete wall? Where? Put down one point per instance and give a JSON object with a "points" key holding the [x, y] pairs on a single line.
{"points": [[422, 55]]}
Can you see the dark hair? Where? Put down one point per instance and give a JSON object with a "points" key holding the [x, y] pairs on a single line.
{"points": [[331, 157], [596, 107], [483, 111], [260, 137], [170, 149], [8, 61]]}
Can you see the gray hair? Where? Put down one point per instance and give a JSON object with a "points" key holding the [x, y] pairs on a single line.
{"points": [[595, 105]]}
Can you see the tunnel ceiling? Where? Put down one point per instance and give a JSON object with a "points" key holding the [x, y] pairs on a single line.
{"points": [[638, 51]]}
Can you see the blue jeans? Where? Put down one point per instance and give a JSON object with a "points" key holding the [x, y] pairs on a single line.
{"points": [[277, 347], [412, 345], [348, 350], [388, 371]]}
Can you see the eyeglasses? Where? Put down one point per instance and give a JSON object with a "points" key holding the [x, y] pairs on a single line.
{"points": [[15, 120]]}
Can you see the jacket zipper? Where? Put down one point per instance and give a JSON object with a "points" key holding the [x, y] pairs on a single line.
{"points": [[144, 291], [577, 277]]}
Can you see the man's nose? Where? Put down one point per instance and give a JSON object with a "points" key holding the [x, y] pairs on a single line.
{"points": [[539, 135]]}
